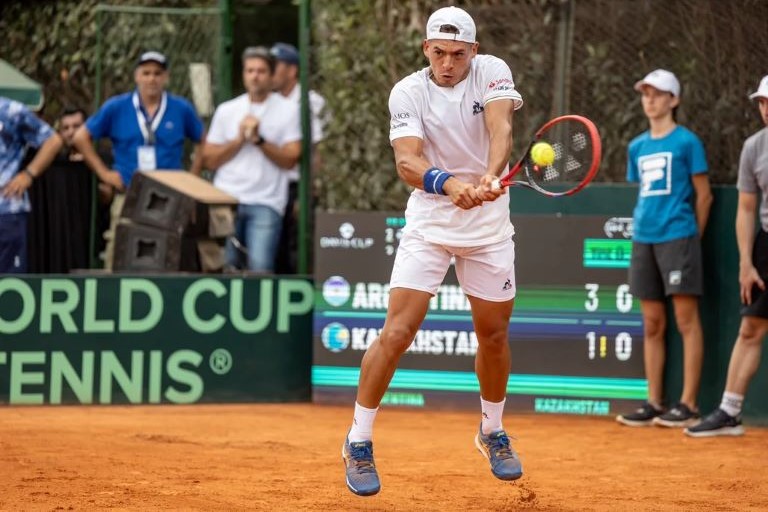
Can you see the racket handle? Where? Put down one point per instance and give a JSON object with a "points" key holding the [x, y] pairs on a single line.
{"points": [[496, 184]]}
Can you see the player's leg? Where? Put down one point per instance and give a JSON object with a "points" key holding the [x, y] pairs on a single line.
{"points": [[405, 312], [745, 359], [418, 270], [681, 270], [645, 284], [487, 276]]}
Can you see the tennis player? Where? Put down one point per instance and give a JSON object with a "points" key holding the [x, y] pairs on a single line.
{"points": [[672, 208], [753, 273], [451, 130]]}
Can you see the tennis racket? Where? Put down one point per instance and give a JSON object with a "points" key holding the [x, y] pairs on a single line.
{"points": [[577, 152]]}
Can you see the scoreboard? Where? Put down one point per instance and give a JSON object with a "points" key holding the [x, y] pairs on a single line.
{"points": [[575, 334]]}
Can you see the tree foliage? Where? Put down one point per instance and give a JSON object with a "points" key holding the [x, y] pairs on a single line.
{"points": [[363, 47]]}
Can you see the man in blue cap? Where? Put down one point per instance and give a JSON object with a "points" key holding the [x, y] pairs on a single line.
{"points": [[286, 82], [147, 128]]}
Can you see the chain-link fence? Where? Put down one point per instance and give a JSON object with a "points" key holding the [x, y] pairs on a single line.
{"points": [[189, 37], [567, 56]]}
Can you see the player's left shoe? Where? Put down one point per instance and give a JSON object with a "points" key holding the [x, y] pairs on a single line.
{"points": [[505, 464], [679, 416], [362, 478]]}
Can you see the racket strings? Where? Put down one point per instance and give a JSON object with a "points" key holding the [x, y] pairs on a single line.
{"points": [[572, 146]]}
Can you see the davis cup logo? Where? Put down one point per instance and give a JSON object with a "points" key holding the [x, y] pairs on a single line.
{"points": [[335, 337], [336, 291]]}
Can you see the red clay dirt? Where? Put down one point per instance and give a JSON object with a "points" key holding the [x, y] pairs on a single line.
{"points": [[287, 457]]}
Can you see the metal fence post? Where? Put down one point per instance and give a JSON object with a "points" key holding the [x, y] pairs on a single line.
{"points": [[305, 181]]}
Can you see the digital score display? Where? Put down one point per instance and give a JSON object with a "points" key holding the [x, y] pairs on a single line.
{"points": [[575, 334]]}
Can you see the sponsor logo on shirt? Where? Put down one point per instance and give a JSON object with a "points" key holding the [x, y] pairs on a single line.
{"points": [[402, 115], [477, 108], [507, 83], [655, 174]]}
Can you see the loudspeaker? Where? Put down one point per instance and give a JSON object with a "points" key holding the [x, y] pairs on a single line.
{"points": [[141, 248], [181, 202]]}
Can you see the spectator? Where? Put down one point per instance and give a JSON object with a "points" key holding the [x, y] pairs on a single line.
{"points": [[286, 82], [753, 273], [670, 163], [147, 128], [253, 141], [62, 202], [19, 129]]}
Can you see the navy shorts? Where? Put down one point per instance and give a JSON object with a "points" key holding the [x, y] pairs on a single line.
{"points": [[668, 268], [13, 243]]}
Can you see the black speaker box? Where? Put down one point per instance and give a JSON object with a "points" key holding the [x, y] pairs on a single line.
{"points": [[181, 202], [141, 248]]}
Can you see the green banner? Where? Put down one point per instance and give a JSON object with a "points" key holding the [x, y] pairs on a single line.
{"points": [[127, 339]]}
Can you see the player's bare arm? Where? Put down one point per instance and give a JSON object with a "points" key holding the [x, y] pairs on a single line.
{"points": [[498, 122], [703, 200], [411, 167], [745, 233]]}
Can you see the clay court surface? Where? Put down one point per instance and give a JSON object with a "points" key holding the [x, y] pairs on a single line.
{"points": [[287, 457]]}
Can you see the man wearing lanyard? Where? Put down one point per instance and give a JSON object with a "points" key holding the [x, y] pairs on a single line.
{"points": [[147, 128]]}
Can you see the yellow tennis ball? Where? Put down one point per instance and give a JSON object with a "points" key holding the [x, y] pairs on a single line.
{"points": [[542, 154]]}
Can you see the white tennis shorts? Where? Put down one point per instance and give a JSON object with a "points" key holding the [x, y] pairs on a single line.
{"points": [[486, 272]]}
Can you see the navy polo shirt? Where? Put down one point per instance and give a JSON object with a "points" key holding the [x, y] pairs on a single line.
{"points": [[117, 121]]}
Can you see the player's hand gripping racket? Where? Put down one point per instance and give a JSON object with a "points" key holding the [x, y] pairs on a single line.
{"points": [[567, 161]]}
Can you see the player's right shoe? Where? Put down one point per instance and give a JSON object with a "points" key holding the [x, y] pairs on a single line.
{"points": [[362, 478], [643, 416], [505, 464], [717, 423]]}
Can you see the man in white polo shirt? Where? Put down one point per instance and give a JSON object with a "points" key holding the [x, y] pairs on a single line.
{"points": [[254, 140], [451, 130]]}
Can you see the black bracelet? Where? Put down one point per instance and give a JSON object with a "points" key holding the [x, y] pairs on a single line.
{"points": [[29, 173], [259, 141]]}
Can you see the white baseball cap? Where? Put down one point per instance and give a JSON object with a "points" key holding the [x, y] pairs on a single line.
{"points": [[662, 80], [451, 23], [762, 89]]}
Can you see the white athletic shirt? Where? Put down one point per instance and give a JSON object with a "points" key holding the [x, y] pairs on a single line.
{"points": [[250, 176], [451, 123], [316, 107]]}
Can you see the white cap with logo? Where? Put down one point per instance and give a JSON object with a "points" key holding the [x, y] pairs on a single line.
{"points": [[662, 80], [762, 89], [451, 23]]}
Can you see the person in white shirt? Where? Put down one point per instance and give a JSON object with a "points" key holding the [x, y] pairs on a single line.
{"points": [[451, 130], [253, 141], [286, 82]]}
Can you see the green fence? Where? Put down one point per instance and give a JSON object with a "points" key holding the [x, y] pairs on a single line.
{"points": [[719, 305], [131, 339]]}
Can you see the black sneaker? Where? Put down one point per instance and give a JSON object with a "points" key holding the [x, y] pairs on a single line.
{"points": [[677, 417], [642, 416], [717, 423]]}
